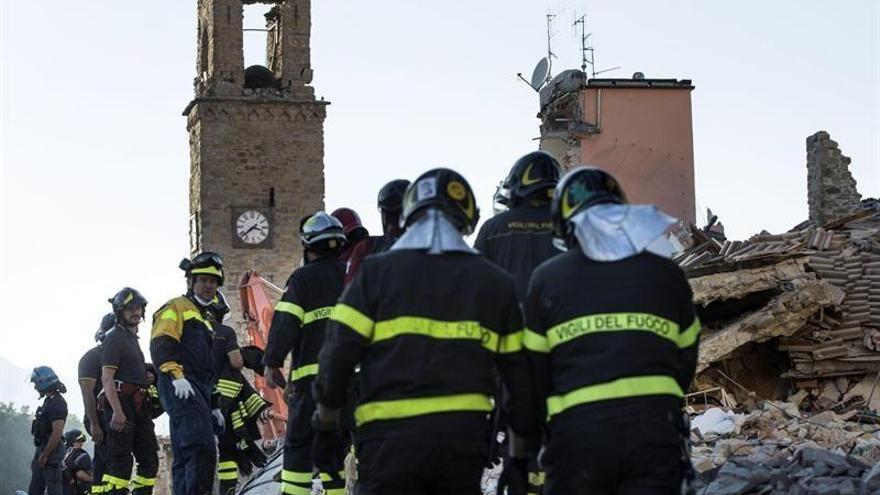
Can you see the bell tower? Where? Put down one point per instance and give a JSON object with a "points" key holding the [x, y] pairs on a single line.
{"points": [[256, 139]]}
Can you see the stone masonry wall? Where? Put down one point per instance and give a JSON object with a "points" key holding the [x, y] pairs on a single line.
{"points": [[831, 189], [241, 151]]}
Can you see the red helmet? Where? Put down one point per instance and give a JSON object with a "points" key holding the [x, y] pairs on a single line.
{"points": [[349, 219]]}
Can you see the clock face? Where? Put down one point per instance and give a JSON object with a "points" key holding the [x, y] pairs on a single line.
{"points": [[252, 227]]}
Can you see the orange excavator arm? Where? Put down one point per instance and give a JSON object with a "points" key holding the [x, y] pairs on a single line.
{"points": [[257, 310]]}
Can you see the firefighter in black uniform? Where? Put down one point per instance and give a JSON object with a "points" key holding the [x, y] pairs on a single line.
{"points": [[89, 377], [47, 430], [76, 468], [181, 344], [521, 238], [428, 322], [240, 403], [298, 328], [612, 335], [124, 403]]}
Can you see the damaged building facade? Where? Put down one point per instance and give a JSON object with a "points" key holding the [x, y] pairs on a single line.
{"points": [[639, 129]]}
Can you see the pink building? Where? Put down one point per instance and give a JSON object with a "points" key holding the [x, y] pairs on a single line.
{"points": [[638, 129]]}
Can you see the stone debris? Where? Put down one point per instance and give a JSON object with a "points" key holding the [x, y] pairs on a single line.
{"points": [[777, 450]]}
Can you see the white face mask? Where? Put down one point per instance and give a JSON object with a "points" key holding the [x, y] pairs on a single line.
{"points": [[201, 301], [434, 233], [612, 232]]}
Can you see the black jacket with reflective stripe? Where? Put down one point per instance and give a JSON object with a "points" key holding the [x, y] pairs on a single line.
{"points": [[300, 317], [428, 332], [518, 240], [603, 336]]}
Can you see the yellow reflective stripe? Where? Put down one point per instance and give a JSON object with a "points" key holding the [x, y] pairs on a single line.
{"points": [[290, 308], [228, 388], [168, 314], [406, 408], [99, 488], [228, 475], [536, 478], [195, 315], [296, 476], [691, 335], [291, 489], [511, 343], [318, 314], [354, 319], [437, 329], [227, 465], [634, 386], [326, 476], [304, 371], [114, 481], [535, 342], [612, 322], [207, 270], [139, 481], [334, 491]]}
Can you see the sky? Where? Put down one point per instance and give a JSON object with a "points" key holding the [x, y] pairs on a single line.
{"points": [[94, 157]]}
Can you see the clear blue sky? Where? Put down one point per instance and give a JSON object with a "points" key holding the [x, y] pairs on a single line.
{"points": [[95, 160]]}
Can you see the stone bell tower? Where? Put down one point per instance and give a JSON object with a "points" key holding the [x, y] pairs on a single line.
{"points": [[256, 138]]}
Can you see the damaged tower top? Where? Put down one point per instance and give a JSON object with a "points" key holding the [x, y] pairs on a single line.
{"points": [[220, 63], [831, 189]]}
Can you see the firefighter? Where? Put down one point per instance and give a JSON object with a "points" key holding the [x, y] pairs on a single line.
{"points": [[298, 329], [520, 239], [123, 402], [47, 430], [390, 204], [89, 378], [240, 403], [76, 468], [181, 344], [355, 233], [428, 322], [612, 336]]}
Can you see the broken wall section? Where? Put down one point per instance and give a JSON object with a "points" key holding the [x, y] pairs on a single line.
{"points": [[831, 188]]}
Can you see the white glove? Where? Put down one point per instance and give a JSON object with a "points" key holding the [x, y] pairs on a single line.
{"points": [[183, 389], [218, 418]]}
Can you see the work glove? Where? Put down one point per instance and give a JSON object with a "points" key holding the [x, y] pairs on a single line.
{"points": [[328, 449], [183, 389], [219, 421], [514, 477]]}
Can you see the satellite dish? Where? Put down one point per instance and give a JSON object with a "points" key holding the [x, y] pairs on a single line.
{"points": [[539, 75]]}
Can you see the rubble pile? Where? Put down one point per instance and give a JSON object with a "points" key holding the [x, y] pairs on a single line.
{"points": [[814, 291], [775, 449]]}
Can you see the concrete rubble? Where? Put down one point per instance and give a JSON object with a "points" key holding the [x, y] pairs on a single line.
{"points": [[775, 449]]}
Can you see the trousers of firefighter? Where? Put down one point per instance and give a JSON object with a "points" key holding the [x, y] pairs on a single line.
{"points": [[113, 457], [238, 452]]}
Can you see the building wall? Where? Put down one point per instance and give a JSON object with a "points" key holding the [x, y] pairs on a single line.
{"points": [[646, 141], [246, 153]]}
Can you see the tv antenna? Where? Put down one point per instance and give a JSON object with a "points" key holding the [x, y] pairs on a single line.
{"points": [[588, 53], [541, 73]]}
